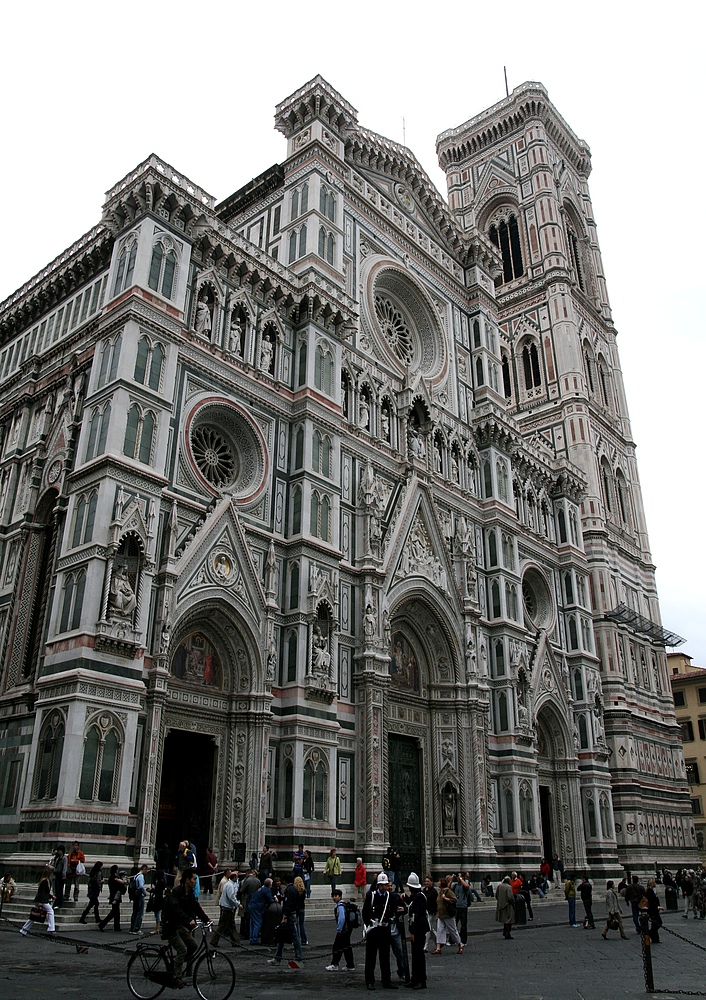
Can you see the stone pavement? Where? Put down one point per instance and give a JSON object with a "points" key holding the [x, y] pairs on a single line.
{"points": [[546, 960]]}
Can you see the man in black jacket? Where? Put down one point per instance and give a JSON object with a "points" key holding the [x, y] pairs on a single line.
{"points": [[180, 912], [418, 927], [377, 916]]}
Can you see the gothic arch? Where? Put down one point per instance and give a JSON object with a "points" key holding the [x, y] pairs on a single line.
{"points": [[417, 613]]}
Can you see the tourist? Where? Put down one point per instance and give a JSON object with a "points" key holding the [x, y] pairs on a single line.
{"points": [[139, 892], [586, 893], [229, 903], [505, 907], [117, 886], [342, 941], [360, 880], [614, 916], [76, 866], [332, 868], [42, 898], [95, 887], [292, 903], [446, 918]]}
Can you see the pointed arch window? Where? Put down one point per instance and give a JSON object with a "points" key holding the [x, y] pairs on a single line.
{"points": [[573, 633], [149, 363], [292, 657], [126, 268], [604, 809], [84, 519], [327, 204], [503, 719], [320, 516], [323, 369], [292, 246], [98, 432], [530, 365], [526, 809], [583, 733], [575, 258], [623, 496], [506, 237], [302, 241], [100, 766], [162, 270], [139, 434], [607, 487], [487, 480], [479, 372], [288, 783], [297, 510], [511, 600], [501, 471], [495, 599], [302, 363], [509, 811], [561, 518], [299, 448], [508, 551], [507, 382], [578, 684], [314, 789], [294, 586], [110, 360], [499, 658], [48, 768], [591, 817], [72, 605], [492, 548], [568, 588]]}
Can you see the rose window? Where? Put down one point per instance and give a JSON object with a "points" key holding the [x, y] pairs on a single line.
{"points": [[537, 600], [394, 329], [213, 455]]}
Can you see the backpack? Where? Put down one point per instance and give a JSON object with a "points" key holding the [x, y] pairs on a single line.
{"points": [[352, 915], [132, 890]]}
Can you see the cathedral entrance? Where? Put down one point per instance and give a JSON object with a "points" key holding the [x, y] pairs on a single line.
{"points": [[406, 819], [546, 821], [186, 791]]}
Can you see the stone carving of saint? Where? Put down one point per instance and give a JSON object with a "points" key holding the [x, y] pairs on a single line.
{"points": [[235, 336], [363, 413], [369, 621], [385, 425], [122, 596], [386, 627], [454, 467], [470, 653], [416, 443], [202, 323], [449, 811], [165, 637], [271, 663], [320, 656], [266, 353], [437, 456]]}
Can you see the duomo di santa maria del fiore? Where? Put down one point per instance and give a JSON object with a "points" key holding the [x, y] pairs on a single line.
{"points": [[320, 518]]}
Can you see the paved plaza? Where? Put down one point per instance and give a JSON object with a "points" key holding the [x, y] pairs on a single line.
{"points": [[546, 960]]}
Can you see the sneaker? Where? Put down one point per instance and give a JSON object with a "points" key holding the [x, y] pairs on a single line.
{"points": [[273, 961], [332, 968], [350, 968], [23, 933]]}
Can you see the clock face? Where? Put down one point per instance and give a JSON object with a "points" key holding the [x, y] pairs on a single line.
{"points": [[54, 471]]}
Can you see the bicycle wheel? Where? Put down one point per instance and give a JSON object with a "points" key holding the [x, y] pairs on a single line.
{"points": [[214, 976], [147, 973]]}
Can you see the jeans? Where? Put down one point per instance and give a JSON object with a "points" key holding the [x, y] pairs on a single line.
{"points": [[296, 940], [462, 922], [307, 885], [342, 947], [398, 949], [302, 928], [572, 910], [256, 916], [138, 912]]}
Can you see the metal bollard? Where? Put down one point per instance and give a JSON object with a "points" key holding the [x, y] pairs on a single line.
{"points": [[647, 952]]}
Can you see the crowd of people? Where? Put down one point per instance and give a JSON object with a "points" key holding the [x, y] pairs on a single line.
{"points": [[270, 901]]}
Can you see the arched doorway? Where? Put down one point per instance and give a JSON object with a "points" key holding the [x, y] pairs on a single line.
{"points": [[557, 784], [186, 790]]}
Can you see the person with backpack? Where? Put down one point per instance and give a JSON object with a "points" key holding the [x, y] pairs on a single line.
{"points": [[292, 901], [462, 890], [137, 893], [446, 918], [179, 916], [95, 884], [342, 941]]}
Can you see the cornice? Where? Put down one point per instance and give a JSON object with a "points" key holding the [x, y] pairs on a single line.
{"points": [[509, 117], [76, 266], [315, 99]]}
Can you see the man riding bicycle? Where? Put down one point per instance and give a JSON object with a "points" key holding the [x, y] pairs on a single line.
{"points": [[179, 915]]}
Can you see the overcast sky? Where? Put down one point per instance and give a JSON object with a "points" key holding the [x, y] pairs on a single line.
{"points": [[90, 89]]}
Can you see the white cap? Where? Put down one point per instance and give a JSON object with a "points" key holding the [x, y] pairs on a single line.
{"points": [[413, 881], [382, 879]]}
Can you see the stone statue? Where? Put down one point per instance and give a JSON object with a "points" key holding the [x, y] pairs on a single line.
{"points": [[122, 597], [416, 443], [449, 811], [363, 413], [235, 336], [369, 622], [165, 637], [320, 656], [271, 663], [266, 354], [387, 627], [202, 323], [385, 425]]}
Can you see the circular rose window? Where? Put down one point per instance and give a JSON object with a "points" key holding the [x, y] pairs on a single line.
{"points": [[404, 320], [537, 600], [227, 451]]}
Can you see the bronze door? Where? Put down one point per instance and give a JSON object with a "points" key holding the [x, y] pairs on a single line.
{"points": [[406, 820]]}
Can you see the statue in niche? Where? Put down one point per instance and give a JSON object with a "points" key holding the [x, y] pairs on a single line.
{"points": [[385, 425], [202, 322], [370, 624], [165, 638], [122, 600], [437, 456], [235, 336], [363, 413], [523, 715], [416, 443], [455, 475], [271, 663], [266, 354], [320, 656], [471, 655], [449, 807], [386, 627]]}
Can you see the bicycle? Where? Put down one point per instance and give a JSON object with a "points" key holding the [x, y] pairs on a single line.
{"points": [[151, 970]]}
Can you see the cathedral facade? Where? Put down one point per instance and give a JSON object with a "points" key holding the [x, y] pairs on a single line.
{"points": [[321, 520]]}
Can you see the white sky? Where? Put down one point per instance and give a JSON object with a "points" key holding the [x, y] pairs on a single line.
{"points": [[90, 89]]}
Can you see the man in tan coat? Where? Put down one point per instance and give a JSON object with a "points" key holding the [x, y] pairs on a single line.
{"points": [[505, 907]]}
